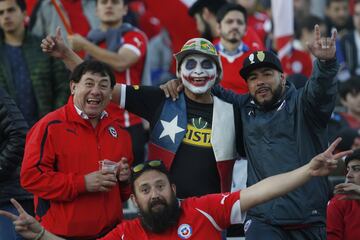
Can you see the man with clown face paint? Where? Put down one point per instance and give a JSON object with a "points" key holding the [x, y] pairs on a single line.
{"points": [[189, 134]]}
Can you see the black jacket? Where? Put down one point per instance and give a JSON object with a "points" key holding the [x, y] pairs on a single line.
{"points": [[13, 130], [287, 137]]}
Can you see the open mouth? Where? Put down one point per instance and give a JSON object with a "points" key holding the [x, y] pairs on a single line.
{"points": [[262, 91], [199, 81], [93, 101]]}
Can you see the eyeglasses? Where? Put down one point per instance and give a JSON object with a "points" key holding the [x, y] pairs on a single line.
{"points": [[151, 164]]}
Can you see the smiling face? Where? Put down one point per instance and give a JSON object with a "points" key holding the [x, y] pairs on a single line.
{"points": [[92, 93], [198, 73], [266, 85]]}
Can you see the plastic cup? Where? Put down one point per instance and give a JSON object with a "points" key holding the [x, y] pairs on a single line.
{"points": [[108, 165]]}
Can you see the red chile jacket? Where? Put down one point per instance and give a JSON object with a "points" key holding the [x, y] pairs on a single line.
{"points": [[60, 150]]}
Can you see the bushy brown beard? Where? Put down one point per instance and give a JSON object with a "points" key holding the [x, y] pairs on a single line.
{"points": [[159, 222]]}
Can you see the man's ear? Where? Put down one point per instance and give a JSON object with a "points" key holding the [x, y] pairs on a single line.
{"points": [[173, 187], [72, 87], [283, 79]]}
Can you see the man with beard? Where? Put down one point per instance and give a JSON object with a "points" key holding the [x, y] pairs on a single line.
{"points": [[232, 19], [162, 216], [287, 127], [205, 11], [189, 135]]}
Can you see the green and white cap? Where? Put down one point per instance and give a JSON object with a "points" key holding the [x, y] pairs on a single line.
{"points": [[199, 46]]}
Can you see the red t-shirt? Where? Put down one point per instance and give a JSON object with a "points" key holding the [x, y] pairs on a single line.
{"points": [[343, 219], [137, 42], [201, 218]]}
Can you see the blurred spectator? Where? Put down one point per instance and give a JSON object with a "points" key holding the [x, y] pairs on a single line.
{"points": [[350, 139], [343, 211], [349, 92], [204, 11], [79, 14], [349, 117], [350, 44], [13, 130], [33, 79], [159, 47], [304, 31], [232, 22], [338, 16], [124, 48], [258, 20]]}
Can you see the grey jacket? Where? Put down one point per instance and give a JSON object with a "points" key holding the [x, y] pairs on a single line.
{"points": [[287, 137]]}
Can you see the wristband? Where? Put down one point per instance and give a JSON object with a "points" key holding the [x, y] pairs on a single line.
{"points": [[40, 234]]}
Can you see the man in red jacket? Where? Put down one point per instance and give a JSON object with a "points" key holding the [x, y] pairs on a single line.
{"points": [[73, 197]]}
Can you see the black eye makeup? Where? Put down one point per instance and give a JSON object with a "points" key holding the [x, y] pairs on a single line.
{"points": [[207, 64], [190, 64]]}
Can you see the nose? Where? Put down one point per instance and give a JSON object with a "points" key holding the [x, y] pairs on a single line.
{"points": [[198, 69], [95, 90], [155, 194], [349, 174]]}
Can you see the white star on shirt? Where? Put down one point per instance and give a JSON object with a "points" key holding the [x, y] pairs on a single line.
{"points": [[171, 128]]}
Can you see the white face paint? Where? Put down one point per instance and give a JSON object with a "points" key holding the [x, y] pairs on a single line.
{"points": [[198, 73]]}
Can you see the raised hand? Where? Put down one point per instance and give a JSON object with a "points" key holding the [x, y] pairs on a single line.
{"points": [[323, 48], [324, 163], [25, 225], [351, 190], [54, 45]]}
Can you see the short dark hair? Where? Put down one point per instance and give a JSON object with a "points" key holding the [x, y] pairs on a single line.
{"points": [[93, 66], [354, 156], [212, 5], [20, 3], [230, 7], [351, 86]]}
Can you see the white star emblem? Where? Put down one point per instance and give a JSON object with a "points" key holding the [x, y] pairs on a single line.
{"points": [[171, 128]]}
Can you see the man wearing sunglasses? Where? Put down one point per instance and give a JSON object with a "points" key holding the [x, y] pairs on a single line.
{"points": [[163, 216]]}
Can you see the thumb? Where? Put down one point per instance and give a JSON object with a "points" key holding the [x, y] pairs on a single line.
{"points": [[58, 33]]}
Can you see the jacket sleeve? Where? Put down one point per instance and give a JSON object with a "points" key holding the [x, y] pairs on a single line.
{"points": [[39, 173], [229, 96], [319, 95], [334, 221], [13, 130]]}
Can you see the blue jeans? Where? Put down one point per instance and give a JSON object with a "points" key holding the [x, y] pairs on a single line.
{"points": [[7, 230]]}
